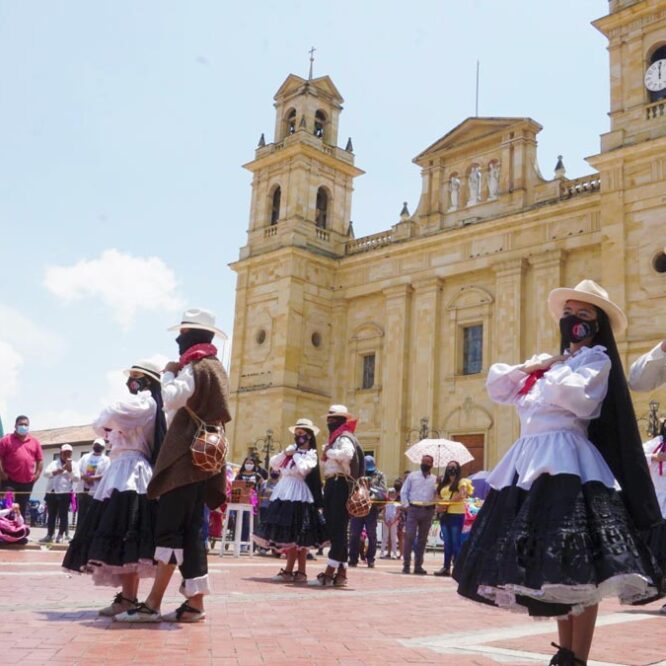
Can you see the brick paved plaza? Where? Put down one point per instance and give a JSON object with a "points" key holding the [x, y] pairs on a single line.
{"points": [[383, 617]]}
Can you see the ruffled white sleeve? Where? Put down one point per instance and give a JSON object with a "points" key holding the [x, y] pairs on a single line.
{"points": [[343, 452], [135, 412], [177, 390], [581, 390], [649, 371], [306, 463], [277, 460], [504, 382]]}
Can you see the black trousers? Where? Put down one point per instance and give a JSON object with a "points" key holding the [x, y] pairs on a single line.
{"points": [[180, 529], [21, 493], [336, 493], [57, 505]]}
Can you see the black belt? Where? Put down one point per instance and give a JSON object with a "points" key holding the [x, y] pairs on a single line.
{"points": [[422, 506]]}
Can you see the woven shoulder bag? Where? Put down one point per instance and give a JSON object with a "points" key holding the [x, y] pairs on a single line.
{"points": [[209, 445], [359, 502]]}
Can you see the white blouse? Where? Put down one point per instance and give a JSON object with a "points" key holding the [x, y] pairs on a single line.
{"points": [[131, 423], [177, 390], [292, 486], [657, 473], [554, 416]]}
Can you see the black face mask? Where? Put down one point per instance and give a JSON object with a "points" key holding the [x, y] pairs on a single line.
{"points": [[426, 468], [334, 423], [301, 439], [136, 384], [575, 329], [275, 475], [191, 337]]}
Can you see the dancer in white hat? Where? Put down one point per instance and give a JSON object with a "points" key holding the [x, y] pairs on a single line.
{"points": [[116, 540], [554, 535], [62, 474], [293, 523], [195, 390]]}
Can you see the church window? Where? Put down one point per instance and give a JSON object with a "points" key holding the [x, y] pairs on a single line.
{"points": [[291, 122], [320, 124], [368, 371], [321, 213], [472, 349], [275, 205]]}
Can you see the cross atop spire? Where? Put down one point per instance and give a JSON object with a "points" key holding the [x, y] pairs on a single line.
{"points": [[311, 52]]}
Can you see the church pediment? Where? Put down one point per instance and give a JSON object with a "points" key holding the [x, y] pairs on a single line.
{"points": [[294, 85], [475, 130]]}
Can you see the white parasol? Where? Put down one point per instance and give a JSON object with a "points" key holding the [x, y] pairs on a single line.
{"points": [[443, 451]]}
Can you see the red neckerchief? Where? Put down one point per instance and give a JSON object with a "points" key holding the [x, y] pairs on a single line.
{"points": [[531, 380], [661, 448], [348, 426], [197, 352], [290, 459]]}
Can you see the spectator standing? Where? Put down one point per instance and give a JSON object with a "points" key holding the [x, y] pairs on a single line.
{"points": [[21, 461], [390, 520], [91, 469], [452, 492], [377, 486], [62, 474], [418, 496]]}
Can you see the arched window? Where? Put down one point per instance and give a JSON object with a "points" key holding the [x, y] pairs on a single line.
{"points": [[291, 122], [321, 213], [320, 124], [275, 205]]}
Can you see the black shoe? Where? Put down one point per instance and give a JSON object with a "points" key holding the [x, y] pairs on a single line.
{"points": [[371, 565], [442, 572], [406, 570], [310, 556], [420, 571], [352, 564], [565, 657]]}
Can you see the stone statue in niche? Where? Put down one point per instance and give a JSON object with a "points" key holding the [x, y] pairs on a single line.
{"points": [[454, 192], [493, 180], [474, 184]]}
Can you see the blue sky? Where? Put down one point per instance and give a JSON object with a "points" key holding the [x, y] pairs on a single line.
{"points": [[125, 124]]}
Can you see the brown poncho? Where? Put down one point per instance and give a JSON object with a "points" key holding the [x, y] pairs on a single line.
{"points": [[174, 467]]}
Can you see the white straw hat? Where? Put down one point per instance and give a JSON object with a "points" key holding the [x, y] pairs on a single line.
{"points": [[338, 410], [146, 367], [200, 319], [305, 424], [588, 291]]}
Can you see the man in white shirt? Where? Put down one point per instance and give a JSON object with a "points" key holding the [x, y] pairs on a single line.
{"points": [[418, 496], [62, 473], [648, 372], [91, 469]]}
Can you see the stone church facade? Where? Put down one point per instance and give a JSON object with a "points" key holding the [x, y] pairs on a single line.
{"points": [[401, 326]]}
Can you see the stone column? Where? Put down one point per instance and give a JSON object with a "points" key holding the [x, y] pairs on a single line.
{"points": [[543, 336], [340, 354], [508, 344], [425, 359], [395, 373]]}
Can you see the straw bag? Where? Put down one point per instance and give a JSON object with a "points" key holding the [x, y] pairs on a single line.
{"points": [[359, 502], [209, 445]]}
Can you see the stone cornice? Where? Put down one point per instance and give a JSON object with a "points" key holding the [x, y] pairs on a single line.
{"points": [[510, 267], [397, 291]]}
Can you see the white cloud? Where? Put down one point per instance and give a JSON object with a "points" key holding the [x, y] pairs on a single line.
{"points": [[125, 284], [10, 362], [27, 337]]}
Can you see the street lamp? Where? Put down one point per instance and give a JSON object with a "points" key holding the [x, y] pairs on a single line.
{"points": [[423, 431], [266, 446], [653, 418]]}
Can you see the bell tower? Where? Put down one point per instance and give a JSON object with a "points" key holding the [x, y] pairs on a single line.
{"points": [[303, 182], [636, 32], [288, 319]]}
